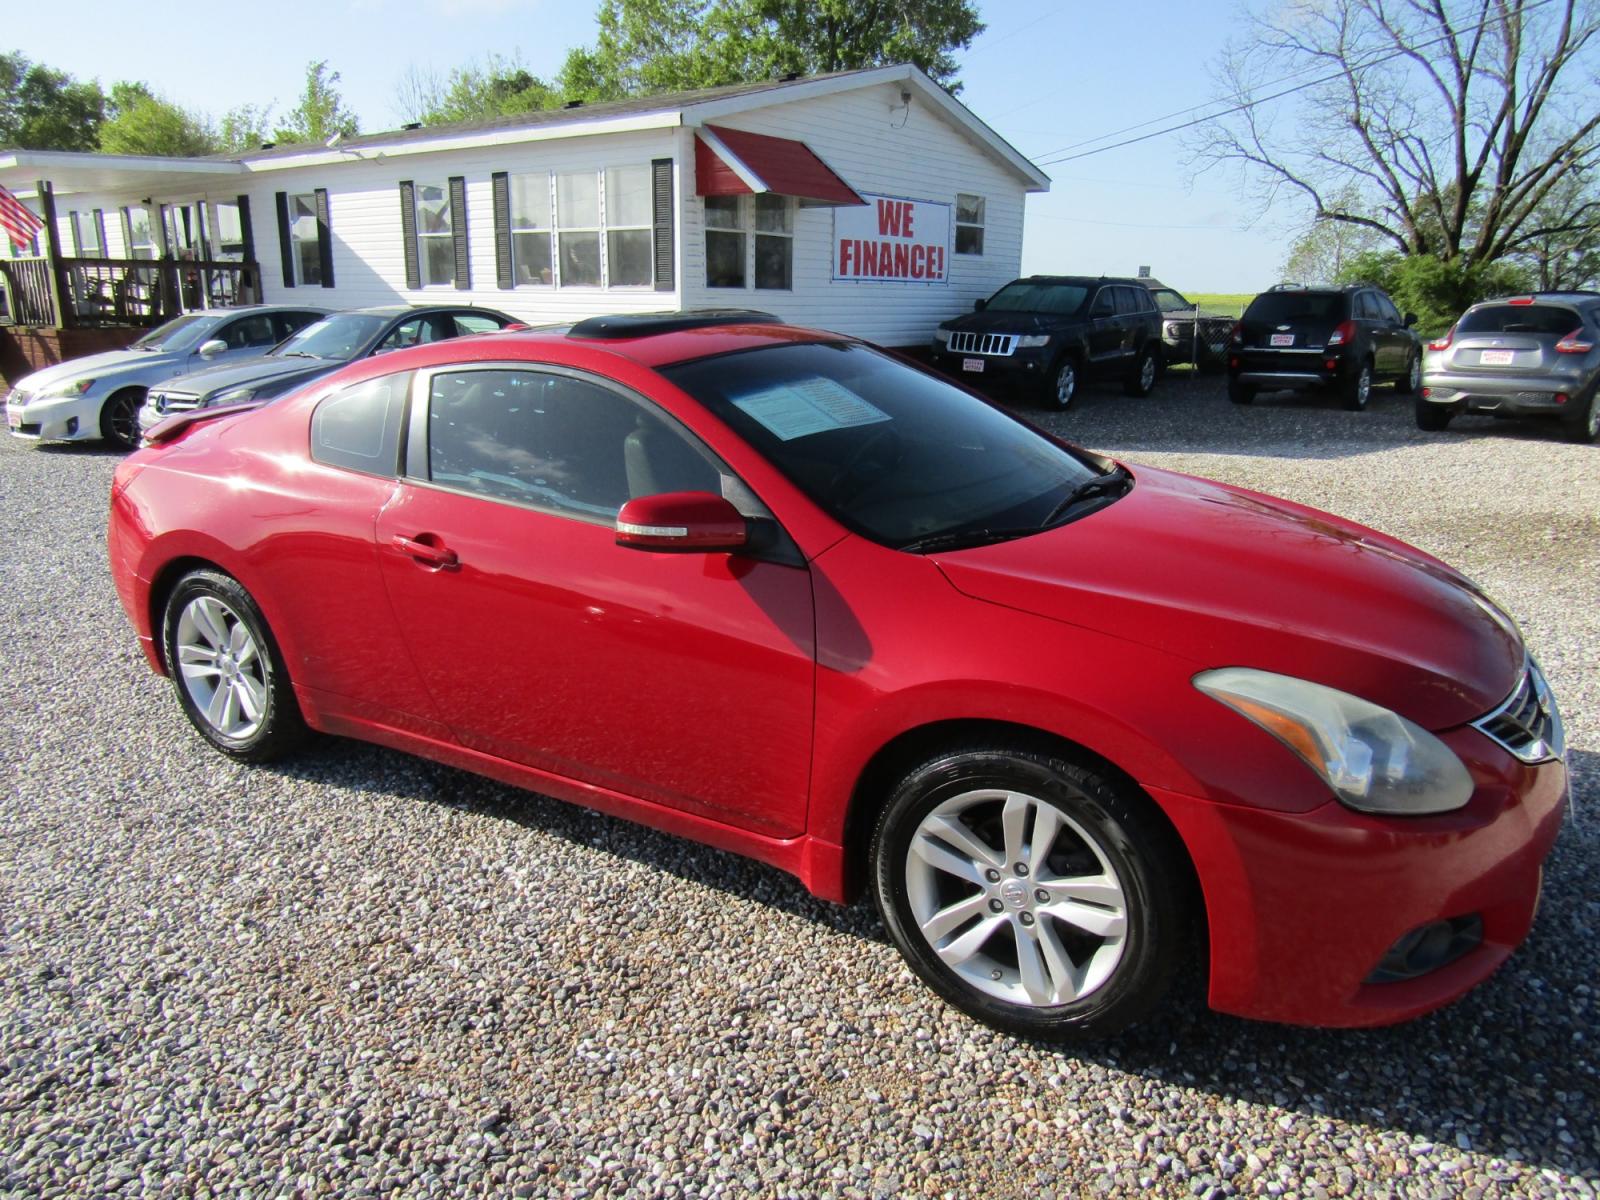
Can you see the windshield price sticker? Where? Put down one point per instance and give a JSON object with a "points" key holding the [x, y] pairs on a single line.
{"points": [[796, 410]]}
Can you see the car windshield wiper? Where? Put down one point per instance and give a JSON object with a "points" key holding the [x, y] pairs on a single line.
{"points": [[298, 354], [1113, 482], [962, 538]]}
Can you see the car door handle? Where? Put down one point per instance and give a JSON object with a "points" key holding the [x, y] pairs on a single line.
{"points": [[440, 557]]}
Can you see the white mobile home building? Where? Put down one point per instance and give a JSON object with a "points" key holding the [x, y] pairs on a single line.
{"points": [[870, 202]]}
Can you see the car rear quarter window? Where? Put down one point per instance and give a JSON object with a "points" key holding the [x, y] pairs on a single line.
{"points": [[1520, 318], [358, 428], [469, 323]]}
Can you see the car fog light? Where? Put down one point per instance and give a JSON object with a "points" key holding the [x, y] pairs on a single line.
{"points": [[1427, 948], [72, 426]]}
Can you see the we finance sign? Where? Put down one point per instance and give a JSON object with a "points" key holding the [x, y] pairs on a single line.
{"points": [[892, 240]]}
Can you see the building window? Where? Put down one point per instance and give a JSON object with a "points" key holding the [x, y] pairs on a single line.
{"points": [[630, 244], [725, 242], [86, 235], [304, 239], [969, 224], [228, 232], [774, 242], [578, 228], [136, 223], [435, 234], [530, 229]]}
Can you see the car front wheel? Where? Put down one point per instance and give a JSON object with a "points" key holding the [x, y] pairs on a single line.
{"points": [[1061, 386], [1030, 892], [1586, 428], [119, 417], [1357, 388], [227, 671], [1410, 383], [1142, 378]]}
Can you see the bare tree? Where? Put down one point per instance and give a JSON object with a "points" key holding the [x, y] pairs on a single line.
{"points": [[1456, 122]]}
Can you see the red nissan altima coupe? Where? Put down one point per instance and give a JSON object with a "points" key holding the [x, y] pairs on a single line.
{"points": [[1070, 720]]}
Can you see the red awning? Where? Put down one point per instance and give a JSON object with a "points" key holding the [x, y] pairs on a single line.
{"points": [[731, 162]]}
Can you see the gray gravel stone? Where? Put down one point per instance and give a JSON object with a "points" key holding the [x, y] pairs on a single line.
{"points": [[360, 974]]}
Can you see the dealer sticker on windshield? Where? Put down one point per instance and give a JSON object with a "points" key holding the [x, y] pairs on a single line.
{"points": [[795, 410]]}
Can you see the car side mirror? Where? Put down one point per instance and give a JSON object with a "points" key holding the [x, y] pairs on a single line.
{"points": [[1411, 319], [213, 348], [979, 305], [686, 522]]}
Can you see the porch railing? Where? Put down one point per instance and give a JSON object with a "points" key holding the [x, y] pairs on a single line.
{"points": [[123, 291]]}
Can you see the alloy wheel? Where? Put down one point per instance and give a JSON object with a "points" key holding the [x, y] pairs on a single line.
{"points": [[1415, 377], [1066, 384], [122, 420], [222, 667], [1016, 897], [1147, 374]]}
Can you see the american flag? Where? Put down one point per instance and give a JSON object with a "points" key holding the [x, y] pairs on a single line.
{"points": [[18, 221]]}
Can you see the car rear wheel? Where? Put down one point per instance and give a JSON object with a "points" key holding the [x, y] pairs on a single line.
{"points": [[1433, 417], [119, 417], [1586, 428], [1411, 382], [1240, 393], [1030, 892], [1061, 386], [1140, 380], [1357, 388], [229, 676]]}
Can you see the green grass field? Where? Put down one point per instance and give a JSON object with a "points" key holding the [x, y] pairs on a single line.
{"points": [[1230, 303]]}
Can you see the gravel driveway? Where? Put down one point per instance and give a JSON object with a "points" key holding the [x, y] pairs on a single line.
{"points": [[361, 974]]}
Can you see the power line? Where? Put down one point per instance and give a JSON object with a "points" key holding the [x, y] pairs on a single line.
{"points": [[1052, 157]]}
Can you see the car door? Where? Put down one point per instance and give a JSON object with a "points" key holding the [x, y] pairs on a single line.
{"points": [[1397, 338], [1105, 328], [683, 679]]}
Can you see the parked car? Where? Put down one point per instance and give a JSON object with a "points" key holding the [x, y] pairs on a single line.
{"points": [[1045, 334], [1187, 334], [315, 351], [98, 396], [703, 573], [1525, 356], [1345, 339]]}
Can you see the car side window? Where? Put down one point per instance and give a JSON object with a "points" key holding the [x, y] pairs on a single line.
{"points": [[292, 322], [419, 331], [557, 443], [1365, 309], [469, 323], [1105, 304], [254, 330], [1386, 308], [1128, 301], [359, 427]]}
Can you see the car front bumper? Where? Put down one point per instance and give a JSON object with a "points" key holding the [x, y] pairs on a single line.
{"points": [[57, 419], [1302, 908], [1513, 395], [1022, 367]]}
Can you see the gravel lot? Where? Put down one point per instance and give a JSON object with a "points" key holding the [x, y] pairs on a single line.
{"points": [[360, 974]]}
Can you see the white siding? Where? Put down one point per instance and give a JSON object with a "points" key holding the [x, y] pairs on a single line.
{"points": [[368, 250], [917, 156]]}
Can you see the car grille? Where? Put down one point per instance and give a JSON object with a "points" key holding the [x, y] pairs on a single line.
{"points": [[1002, 345], [1528, 724], [167, 402]]}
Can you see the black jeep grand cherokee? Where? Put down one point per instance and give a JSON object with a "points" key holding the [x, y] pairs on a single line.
{"points": [[1046, 333]]}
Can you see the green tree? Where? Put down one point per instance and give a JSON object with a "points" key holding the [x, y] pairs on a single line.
{"points": [[495, 87], [140, 122], [1436, 290], [321, 111], [1321, 253], [244, 128], [45, 109], [647, 46]]}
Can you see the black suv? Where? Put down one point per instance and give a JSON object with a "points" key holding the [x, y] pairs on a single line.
{"points": [[1345, 338], [1045, 333]]}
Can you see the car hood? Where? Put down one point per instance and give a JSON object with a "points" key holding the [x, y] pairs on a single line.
{"points": [[1219, 576], [227, 376], [1008, 322], [98, 366]]}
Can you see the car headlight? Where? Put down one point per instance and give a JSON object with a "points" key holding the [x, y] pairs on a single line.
{"points": [[942, 336], [237, 396], [1032, 341], [76, 388], [1375, 760]]}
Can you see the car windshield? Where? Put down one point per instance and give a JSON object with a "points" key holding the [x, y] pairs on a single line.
{"points": [[892, 453], [1034, 296], [1168, 300], [1521, 318], [180, 333], [337, 337], [1275, 308]]}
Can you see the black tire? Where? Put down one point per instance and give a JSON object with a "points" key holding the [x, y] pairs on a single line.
{"points": [[1410, 383], [1131, 844], [1355, 390], [1241, 393], [1060, 387], [119, 417], [279, 727], [1142, 378], [1433, 417], [1584, 426]]}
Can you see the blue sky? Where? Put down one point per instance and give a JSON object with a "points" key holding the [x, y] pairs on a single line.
{"points": [[1043, 75]]}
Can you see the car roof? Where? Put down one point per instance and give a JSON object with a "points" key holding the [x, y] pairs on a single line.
{"points": [[1575, 296], [1087, 280]]}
